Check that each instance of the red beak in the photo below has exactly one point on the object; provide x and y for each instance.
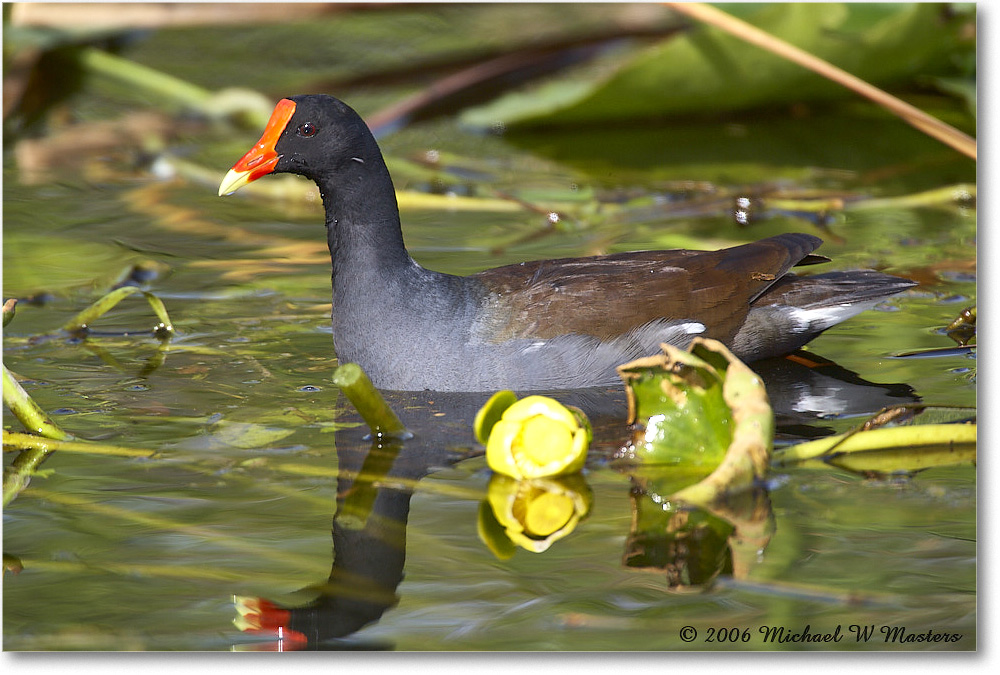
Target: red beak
(262, 157)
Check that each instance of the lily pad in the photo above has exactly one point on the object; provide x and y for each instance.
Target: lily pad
(248, 435)
(676, 402)
(704, 412)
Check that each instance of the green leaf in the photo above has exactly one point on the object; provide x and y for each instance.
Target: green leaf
(960, 87)
(677, 383)
(248, 435)
(707, 70)
(35, 259)
(677, 403)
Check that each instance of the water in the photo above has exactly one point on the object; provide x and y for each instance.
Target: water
(254, 448)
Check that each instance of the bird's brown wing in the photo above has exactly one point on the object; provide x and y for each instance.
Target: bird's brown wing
(606, 296)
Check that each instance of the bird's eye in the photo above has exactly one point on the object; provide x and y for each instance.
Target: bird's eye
(308, 129)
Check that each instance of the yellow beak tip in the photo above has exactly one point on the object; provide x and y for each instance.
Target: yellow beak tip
(233, 181)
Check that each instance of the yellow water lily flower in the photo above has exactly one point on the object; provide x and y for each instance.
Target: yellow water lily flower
(538, 436)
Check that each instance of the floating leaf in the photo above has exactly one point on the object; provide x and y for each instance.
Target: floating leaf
(676, 401)
(248, 435)
(703, 411)
(961, 88)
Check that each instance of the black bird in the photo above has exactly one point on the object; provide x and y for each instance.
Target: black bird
(539, 325)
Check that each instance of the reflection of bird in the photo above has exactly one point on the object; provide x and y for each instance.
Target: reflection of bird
(551, 324)
(805, 388)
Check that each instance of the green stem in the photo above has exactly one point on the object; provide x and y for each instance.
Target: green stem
(912, 438)
(29, 442)
(943, 196)
(101, 307)
(27, 411)
(35, 450)
(106, 303)
(145, 78)
(363, 395)
(17, 476)
(357, 506)
(166, 328)
(804, 205)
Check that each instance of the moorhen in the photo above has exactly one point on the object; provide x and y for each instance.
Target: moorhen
(540, 325)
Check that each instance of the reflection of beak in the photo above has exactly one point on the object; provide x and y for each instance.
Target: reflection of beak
(258, 616)
(262, 157)
(531, 513)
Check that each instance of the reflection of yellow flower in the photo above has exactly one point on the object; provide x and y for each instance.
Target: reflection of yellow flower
(532, 513)
(538, 436)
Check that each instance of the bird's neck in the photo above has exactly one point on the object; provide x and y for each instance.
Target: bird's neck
(362, 223)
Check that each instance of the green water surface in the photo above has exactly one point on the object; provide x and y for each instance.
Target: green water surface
(249, 432)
